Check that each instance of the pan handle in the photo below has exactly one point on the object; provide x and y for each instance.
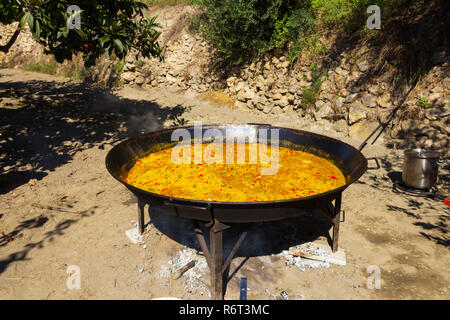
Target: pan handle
(377, 163)
(179, 205)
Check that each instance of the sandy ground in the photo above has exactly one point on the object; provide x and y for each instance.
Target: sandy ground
(63, 209)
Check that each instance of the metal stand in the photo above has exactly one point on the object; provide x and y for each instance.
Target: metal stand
(214, 255)
(334, 213)
(141, 214)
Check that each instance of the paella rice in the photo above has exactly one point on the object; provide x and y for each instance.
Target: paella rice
(299, 174)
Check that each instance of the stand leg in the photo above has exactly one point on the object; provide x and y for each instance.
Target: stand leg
(141, 207)
(214, 255)
(216, 248)
(336, 220)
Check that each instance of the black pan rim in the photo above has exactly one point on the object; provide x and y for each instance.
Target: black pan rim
(204, 203)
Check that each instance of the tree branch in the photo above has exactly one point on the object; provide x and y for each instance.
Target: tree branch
(11, 41)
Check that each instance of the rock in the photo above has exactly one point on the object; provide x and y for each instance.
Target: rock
(441, 141)
(283, 102)
(170, 78)
(325, 87)
(439, 57)
(174, 72)
(239, 86)
(260, 101)
(128, 76)
(351, 98)
(295, 89)
(241, 96)
(436, 98)
(308, 76)
(249, 94)
(276, 110)
(305, 84)
(268, 108)
(129, 58)
(395, 132)
(344, 93)
(363, 66)
(341, 72)
(374, 90)
(290, 98)
(260, 83)
(441, 126)
(387, 76)
(319, 104)
(409, 124)
(354, 88)
(437, 89)
(129, 67)
(428, 143)
(368, 100)
(277, 96)
(259, 106)
(270, 81)
(283, 90)
(325, 112)
(341, 126)
(437, 113)
(326, 96)
(285, 64)
(339, 81)
(384, 101)
(245, 94)
(356, 113)
(339, 102)
(297, 103)
(139, 80)
(361, 130)
(238, 104)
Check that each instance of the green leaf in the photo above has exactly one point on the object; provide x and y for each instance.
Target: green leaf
(81, 33)
(37, 30)
(64, 31)
(119, 44)
(23, 21)
(30, 20)
(104, 40)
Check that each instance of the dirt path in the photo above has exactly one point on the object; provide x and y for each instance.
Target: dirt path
(63, 209)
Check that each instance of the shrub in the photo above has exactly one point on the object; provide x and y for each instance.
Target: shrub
(42, 67)
(310, 94)
(349, 15)
(423, 102)
(241, 30)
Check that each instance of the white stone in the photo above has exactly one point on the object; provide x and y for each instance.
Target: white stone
(356, 113)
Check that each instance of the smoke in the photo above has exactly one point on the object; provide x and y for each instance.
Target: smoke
(134, 116)
(143, 123)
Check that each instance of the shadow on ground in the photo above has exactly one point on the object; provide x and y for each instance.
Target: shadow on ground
(44, 123)
(49, 236)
